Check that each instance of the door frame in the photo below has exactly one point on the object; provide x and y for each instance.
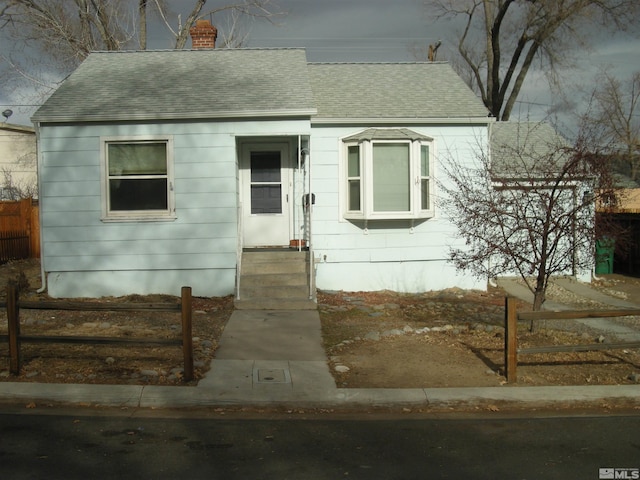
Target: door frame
(246, 146)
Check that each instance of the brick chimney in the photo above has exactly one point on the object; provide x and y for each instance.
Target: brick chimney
(203, 35)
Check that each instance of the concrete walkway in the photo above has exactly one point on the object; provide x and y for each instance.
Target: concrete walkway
(270, 354)
(276, 359)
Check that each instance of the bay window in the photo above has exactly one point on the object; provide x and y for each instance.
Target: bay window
(387, 175)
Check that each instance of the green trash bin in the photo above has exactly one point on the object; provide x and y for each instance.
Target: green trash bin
(605, 249)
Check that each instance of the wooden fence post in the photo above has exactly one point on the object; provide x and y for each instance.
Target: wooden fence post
(510, 340)
(187, 339)
(13, 319)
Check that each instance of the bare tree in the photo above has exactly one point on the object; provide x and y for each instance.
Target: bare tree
(500, 40)
(525, 208)
(13, 189)
(615, 115)
(69, 30)
(49, 38)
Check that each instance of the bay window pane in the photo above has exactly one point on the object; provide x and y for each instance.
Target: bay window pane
(391, 170)
(354, 195)
(424, 161)
(424, 195)
(354, 161)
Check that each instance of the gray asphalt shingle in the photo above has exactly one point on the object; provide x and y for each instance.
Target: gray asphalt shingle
(392, 90)
(518, 147)
(183, 84)
(196, 84)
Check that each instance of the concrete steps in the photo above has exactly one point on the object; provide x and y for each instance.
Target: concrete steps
(274, 280)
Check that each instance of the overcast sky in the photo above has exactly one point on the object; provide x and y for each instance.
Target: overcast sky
(385, 30)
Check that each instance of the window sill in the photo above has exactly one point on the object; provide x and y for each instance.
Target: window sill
(385, 217)
(140, 218)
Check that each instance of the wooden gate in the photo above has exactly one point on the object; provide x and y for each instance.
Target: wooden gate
(19, 230)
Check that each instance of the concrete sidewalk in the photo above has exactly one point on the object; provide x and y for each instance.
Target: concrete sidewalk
(607, 326)
(275, 358)
(515, 288)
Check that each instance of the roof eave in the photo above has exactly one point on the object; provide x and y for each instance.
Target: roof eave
(219, 115)
(401, 120)
(16, 128)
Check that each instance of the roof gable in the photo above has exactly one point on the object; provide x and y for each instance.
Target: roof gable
(178, 84)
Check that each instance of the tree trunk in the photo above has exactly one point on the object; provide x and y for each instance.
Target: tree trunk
(183, 34)
(539, 296)
(142, 19)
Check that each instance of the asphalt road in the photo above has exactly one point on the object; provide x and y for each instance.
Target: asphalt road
(214, 446)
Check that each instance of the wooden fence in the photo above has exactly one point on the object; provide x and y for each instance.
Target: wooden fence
(512, 316)
(19, 230)
(15, 338)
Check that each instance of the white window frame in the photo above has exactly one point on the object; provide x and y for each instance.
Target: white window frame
(108, 215)
(415, 180)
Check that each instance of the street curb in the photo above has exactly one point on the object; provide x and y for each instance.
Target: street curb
(183, 397)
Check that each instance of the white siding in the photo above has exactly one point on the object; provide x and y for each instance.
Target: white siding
(86, 257)
(388, 254)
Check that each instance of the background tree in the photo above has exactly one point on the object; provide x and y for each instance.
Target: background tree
(13, 189)
(527, 211)
(611, 118)
(51, 37)
(500, 40)
(614, 117)
(70, 29)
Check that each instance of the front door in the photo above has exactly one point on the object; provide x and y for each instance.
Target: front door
(265, 183)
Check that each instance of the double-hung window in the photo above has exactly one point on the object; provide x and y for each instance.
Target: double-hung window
(138, 178)
(387, 174)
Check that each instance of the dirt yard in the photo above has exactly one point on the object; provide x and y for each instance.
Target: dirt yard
(455, 338)
(106, 364)
(451, 338)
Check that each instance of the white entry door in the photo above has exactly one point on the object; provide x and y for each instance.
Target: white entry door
(265, 174)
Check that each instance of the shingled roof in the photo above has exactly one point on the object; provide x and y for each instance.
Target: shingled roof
(244, 83)
(392, 91)
(183, 84)
(529, 148)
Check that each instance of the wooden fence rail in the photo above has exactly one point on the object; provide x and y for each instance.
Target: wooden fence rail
(512, 316)
(15, 338)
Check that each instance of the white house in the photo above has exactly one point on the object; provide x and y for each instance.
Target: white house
(18, 176)
(169, 168)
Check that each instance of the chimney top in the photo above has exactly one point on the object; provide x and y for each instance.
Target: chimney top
(203, 35)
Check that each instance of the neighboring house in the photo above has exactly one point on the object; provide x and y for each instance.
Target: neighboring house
(526, 159)
(621, 225)
(169, 168)
(18, 162)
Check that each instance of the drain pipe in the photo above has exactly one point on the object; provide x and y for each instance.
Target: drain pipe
(43, 277)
